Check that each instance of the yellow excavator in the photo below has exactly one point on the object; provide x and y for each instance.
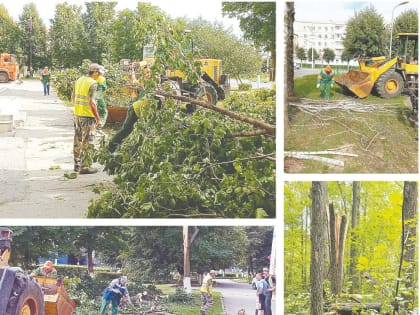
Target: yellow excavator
(386, 77)
(22, 294)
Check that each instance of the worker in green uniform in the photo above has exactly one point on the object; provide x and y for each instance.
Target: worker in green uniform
(134, 112)
(325, 82)
(100, 101)
(45, 79)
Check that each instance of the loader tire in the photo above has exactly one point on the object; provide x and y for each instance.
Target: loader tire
(207, 93)
(26, 298)
(389, 85)
(4, 77)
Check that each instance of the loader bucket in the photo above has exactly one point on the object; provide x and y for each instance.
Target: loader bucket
(358, 82)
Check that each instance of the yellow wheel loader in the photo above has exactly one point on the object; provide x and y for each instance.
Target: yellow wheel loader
(213, 86)
(22, 294)
(386, 77)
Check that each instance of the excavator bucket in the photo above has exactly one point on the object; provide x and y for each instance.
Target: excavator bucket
(358, 82)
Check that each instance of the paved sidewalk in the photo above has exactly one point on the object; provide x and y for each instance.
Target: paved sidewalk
(238, 296)
(35, 156)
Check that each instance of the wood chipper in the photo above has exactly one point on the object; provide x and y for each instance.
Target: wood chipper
(387, 77)
(22, 294)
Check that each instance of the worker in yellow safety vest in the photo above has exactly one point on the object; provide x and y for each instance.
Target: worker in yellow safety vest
(207, 292)
(86, 118)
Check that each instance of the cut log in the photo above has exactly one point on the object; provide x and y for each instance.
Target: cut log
(297, 155)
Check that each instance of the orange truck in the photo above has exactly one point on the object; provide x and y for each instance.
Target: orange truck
(9, 68)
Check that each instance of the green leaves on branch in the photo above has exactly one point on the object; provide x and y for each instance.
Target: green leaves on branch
(180, 165)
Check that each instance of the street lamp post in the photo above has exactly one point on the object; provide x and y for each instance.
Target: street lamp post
(392, 24)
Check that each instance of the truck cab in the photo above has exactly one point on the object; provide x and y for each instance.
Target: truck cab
(9, 68)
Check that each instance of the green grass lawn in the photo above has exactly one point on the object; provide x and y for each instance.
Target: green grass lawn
(192, 308)
(384, 139)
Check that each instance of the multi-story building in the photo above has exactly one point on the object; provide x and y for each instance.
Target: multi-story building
(320, 35)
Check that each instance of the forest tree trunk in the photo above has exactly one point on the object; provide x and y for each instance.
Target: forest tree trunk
(338, 231)
(318, 225)
(409, 214)
(353, 244)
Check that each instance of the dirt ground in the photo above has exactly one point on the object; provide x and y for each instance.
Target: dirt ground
(381, 135)
(36, 157)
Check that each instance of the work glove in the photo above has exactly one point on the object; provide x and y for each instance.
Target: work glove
(317, 86)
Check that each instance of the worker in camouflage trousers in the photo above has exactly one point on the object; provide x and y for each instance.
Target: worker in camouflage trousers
(325, 82)
(207, 292)
(86, 118)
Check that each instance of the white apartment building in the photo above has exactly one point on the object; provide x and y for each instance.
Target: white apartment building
(320, 35)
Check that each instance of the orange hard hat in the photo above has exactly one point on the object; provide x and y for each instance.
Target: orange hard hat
(328, 68)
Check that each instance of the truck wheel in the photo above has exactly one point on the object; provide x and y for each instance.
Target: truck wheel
(27, 297)
(207, 93)
(389, 85)
(4, 77)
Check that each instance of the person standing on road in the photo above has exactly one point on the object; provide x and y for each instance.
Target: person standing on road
(47, 270)
(86, 117)
(325, 81)
(100, 101)
(261, 291)
(45, 78)
(271, 282)
(207, 292)
(113, 294)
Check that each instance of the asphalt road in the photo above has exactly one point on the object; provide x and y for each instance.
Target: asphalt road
(35, 156)
(237, 296)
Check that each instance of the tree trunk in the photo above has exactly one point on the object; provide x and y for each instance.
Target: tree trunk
(333, 274)
(338, 231)
(353, 245)
(187, 249)
(273, 254)
(90, 261)
(289, 19)
(342, 244)
(319, 205)
(409, 214)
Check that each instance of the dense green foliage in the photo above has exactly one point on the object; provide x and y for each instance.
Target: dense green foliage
(33, 37)
(377, 239)
(328, 55)
(406, 22)
(95, 31)
(301, 53)
(258, 22)
(366, 34)
(239, 58)
(149, 254)
(184, 165)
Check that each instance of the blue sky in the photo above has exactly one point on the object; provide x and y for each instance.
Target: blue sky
(342, 11)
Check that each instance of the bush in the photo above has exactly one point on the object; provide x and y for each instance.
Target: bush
(244, 87)
(180, 296)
